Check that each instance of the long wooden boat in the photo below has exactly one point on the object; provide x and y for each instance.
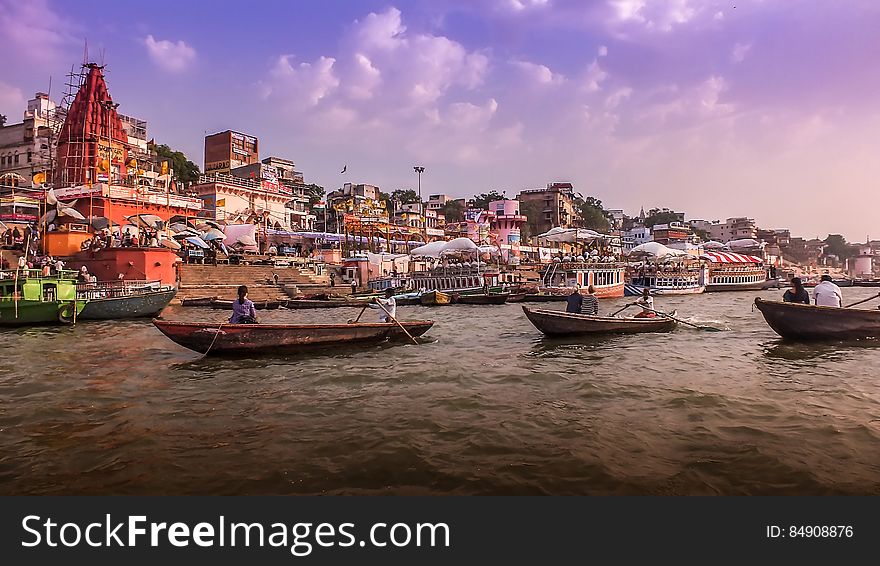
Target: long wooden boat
(198, 301)
(810, 322)
(133, 305)
(559, 323)
(488, 299)
(516, 297)
(543, 298)
(217, 338)
(435, 298)
(321, 304)
(226, 304)
(28, 297)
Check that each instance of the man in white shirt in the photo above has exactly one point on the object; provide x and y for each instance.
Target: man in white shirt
(388, 309)
(827, 294)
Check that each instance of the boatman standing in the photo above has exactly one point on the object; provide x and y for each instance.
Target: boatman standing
(826, 293)
(389, 304)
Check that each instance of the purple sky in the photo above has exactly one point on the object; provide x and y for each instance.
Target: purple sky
(763, 108)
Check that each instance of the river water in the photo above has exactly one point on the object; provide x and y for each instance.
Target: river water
(485, 405)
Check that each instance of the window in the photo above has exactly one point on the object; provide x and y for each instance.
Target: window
(16, 159)
(30, 156)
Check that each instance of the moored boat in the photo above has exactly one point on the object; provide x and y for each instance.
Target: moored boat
(684, 278)
(559, 323)
(607, 279)
(222, 338)
(810, 322)
(28, 297)
(487, 299)
(123, 300)
(735, 272)
(435, 298)
(198, 301)
(226, 304)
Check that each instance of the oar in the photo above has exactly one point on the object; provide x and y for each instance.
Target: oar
(359, 315)
(623, 309)
(709, 328)
(863, 301)
(402, 327)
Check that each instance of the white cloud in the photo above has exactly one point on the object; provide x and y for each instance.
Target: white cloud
(33, 31)
(364, 78)
(306, 83)
(603, 51)
(739, 52)
(520, 5)
(12, 103)
(537, 73)
(593, 77)
(170, 56)
(660, 15)
(614, 99)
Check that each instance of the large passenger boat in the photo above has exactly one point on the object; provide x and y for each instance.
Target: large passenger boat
(685, 278)
(607, 279)
(735, 272)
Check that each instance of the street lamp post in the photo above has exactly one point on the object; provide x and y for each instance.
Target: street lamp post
(419, 169)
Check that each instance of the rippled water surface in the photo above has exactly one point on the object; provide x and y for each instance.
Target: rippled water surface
(485, 405)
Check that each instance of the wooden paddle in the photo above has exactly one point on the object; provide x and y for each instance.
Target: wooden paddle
(697, 326)
(359, 315)
(623, 309)
(863, 301)
(402, 327)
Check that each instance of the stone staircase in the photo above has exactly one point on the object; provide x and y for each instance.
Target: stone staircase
(223, 280)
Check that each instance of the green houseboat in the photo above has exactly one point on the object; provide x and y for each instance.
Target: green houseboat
(29, 297)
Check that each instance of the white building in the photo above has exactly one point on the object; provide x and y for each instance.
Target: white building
(27, 147)
(638, 235)
(734, 229)
(436, 202)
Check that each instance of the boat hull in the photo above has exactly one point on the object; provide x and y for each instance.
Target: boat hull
(281, 338)
(131, 306)
(637, 290)
(542, 298)
(490, 299)
(198, 301)
(557, 323)
(38, 312)
(811, 323)
(751, 286)
(435, 298)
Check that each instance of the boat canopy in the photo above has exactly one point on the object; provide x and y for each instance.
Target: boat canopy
(656, 250)
(730, 257)
(570, 235)
(439, 248)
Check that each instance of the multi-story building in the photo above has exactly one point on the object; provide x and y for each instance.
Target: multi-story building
(638, 235)
(27, 147)
(136, 130)
(506, 221)
(734, 229)
(437, 202)
(701, 225)
(555, 207)
(672, 233)
(225, 151)
(617, 218)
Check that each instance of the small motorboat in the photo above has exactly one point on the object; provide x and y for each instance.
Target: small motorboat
(435, 298)
(482, 299)
(224, 338)
(559, 323)
(797, 321)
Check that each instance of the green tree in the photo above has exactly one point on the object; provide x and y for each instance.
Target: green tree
(453, 211)
(835, 244)
(185, 170)
(661, 216)
(593, 215)
(482, 200)
(532, 211)
(405, 196)
(315, 193)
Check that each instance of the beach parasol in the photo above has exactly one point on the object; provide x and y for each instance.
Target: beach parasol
(150, 221)
(99, 222)
(198, 242)
(213, 234)
(170, 244)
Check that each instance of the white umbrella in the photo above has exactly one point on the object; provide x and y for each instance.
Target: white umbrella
(71, 212)
(744, 244)
(171, 244)
(713, 245)
(213, 234)
(196, 241)
(148, 220)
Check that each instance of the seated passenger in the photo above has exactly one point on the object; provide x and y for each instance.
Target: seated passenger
(590, 303)
(826, 293)
(797, 293)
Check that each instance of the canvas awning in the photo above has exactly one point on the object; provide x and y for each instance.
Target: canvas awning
(730, 257)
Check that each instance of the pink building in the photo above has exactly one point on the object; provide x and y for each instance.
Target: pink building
(506, 221)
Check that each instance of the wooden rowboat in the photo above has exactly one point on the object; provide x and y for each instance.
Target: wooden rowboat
(216, 338)
(197, 301)
(226, 304)
(810, 322)
(490, 299)
(542, 298)
(435, 298)
(559, 323)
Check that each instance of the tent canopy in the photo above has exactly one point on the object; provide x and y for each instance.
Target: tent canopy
(730, 257)
(655, 250)
(570, 235)
(436, 249)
